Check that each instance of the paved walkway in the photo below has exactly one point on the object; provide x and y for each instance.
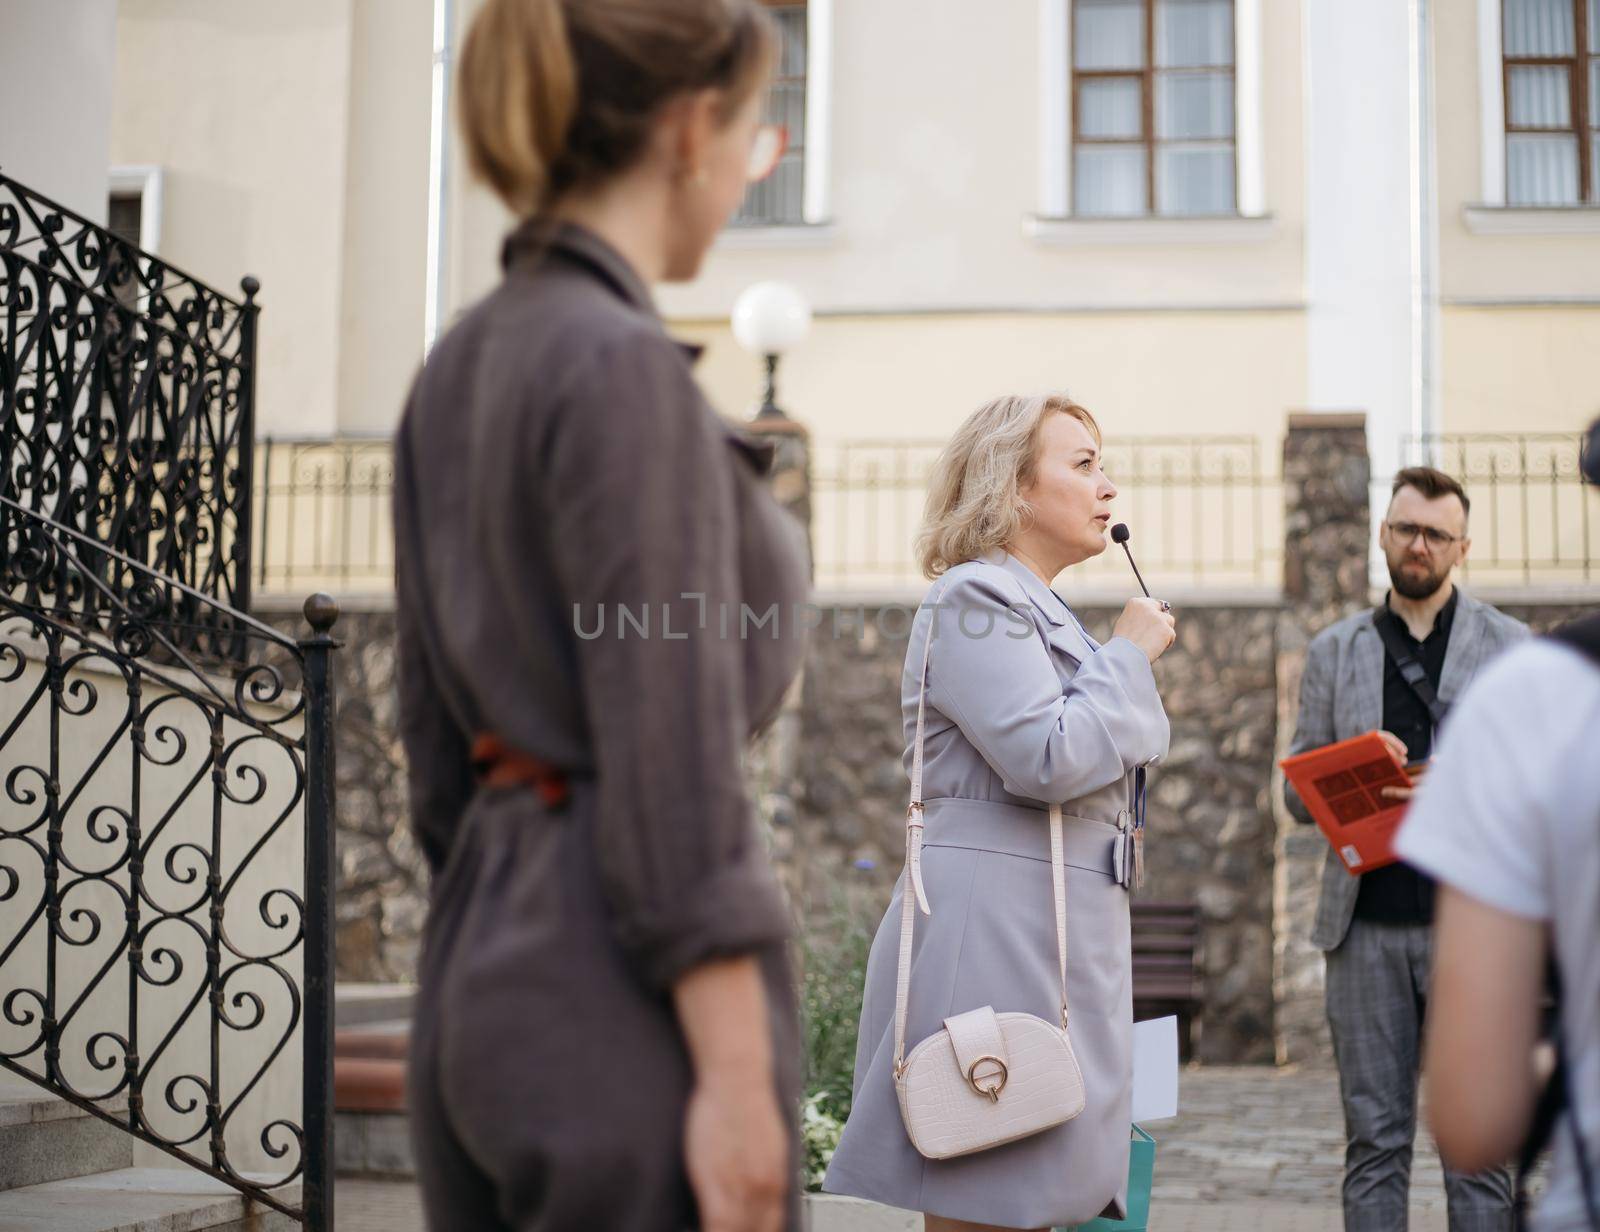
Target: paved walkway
(1255, 1150)
(1263, 1149)
(377, 1206)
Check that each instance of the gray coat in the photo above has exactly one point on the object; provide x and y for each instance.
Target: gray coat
(1341, 696)
(556, 461)
(1024, 710)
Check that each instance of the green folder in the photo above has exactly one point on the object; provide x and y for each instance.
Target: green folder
(1141, 1173)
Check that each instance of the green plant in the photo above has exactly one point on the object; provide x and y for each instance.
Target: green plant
(833, 955)
(819, 1134)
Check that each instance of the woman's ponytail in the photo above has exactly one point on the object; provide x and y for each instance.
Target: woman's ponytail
(559, 94)
(519, 95)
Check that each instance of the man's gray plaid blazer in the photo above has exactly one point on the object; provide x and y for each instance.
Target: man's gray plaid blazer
(1341, 695)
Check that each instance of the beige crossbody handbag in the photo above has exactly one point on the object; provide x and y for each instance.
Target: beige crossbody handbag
(987, 1078)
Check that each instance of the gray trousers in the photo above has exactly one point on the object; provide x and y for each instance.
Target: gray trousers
(1377, 996)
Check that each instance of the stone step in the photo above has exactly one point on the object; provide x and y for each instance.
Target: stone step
(139, 1200)
(372, 1136)
(380, 1040)
(373, 1144)
(357, 1005)
(832, 1213)
(44, 1138)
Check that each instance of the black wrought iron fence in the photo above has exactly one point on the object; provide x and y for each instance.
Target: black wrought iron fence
(1534, 520)
(166, 863)
(127, 414)
(1204, 511)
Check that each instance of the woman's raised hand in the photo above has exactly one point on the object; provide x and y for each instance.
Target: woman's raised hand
(1149, 626)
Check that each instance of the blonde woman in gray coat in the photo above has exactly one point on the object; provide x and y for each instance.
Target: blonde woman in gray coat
(1023, 710)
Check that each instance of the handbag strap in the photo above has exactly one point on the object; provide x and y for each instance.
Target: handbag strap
(913, 895)
(1411, 669)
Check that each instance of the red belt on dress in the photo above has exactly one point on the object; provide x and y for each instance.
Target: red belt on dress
(498, 765)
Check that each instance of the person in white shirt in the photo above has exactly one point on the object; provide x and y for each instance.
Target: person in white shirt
(1508, 822)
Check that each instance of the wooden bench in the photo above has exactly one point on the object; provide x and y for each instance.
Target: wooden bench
(1166, 935)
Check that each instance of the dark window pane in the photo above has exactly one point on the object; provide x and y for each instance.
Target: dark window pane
(125, 217)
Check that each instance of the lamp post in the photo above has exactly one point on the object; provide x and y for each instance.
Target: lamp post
(770, 318)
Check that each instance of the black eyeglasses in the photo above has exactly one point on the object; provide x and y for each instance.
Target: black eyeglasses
(1405, 532)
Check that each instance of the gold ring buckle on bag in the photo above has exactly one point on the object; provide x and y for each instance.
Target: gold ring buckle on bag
(993, 1092)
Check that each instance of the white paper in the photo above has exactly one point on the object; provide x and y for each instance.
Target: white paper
(1155, 1070)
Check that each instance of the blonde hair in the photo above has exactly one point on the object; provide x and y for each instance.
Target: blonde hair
(557, 95)
(975, 495)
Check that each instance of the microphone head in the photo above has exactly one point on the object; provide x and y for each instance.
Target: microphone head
(1120, 533)
(1591, 454)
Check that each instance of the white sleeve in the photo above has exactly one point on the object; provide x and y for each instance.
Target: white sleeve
(1485, 818)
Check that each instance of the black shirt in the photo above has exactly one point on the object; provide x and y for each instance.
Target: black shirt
(1398, 894)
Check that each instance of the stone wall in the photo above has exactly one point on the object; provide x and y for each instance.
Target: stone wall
(1540, 617)
(382, 891)
(1210, 836)
(1327, 529)
(827, 780)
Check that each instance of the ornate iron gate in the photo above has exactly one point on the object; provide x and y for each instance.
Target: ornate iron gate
(166, 864)
(166, 761)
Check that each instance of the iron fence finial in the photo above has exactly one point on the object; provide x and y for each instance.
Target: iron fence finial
(322, 611)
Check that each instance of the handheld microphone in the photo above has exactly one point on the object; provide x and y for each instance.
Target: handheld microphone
(1121, 534)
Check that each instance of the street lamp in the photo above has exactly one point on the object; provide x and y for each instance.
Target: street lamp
(769, 319)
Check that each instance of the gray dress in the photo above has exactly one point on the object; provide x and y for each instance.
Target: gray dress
(557, 462)
(1024, 710)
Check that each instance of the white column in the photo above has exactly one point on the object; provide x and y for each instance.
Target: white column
(818, 205)
(1055, 108)
(1366, 232)
(57, 68)
(1491, 105)
(440, 132)
(1250, 126)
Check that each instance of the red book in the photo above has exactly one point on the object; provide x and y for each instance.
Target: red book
(1342, 788)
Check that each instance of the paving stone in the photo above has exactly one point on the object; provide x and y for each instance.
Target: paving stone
(1256, 1149)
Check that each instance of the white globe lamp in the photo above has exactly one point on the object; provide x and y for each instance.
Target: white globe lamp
(770, 319)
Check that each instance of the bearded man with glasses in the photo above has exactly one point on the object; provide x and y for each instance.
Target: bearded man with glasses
(1395, 669)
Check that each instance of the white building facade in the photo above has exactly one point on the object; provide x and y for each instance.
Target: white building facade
(1194, 215)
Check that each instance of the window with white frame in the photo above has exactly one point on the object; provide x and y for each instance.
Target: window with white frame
(1551, 78)
(1153, 103)
(779, 200)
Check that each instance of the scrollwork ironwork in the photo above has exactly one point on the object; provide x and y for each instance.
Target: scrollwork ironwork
(127, 413)
(159, 934)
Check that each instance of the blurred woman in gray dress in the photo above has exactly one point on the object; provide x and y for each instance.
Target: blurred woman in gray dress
(605, 1034)
(1024, 710)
